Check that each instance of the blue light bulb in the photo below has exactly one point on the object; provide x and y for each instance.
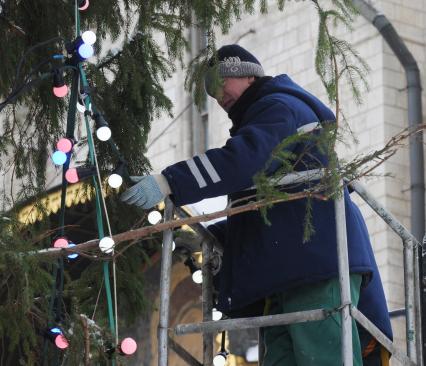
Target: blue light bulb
(73, 255)
(59, 157)
(85, 51)
(56, 330)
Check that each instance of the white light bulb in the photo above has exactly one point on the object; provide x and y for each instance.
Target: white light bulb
(219, 360)
(115, 180)
(154, 217)
(197, 276)
(106, 245)
(252, 354)
(103, 133)
(89, 37)
(216, 314)
(85, 51)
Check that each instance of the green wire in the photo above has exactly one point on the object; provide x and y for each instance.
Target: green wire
(97, 190)
(77, 19)
(98, 208)
(99, 217)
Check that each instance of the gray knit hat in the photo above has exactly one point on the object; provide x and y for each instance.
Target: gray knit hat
(232, 61)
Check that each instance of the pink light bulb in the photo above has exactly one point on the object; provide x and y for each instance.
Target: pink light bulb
(128, 346)
(64, 145)
(60, 243)
(60, 91)
(71, 175)
(85, 6)
(61, 342)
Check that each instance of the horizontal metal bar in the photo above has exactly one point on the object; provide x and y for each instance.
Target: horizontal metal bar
(381, 338)
(397, 312)
(183, 353)
(247, 323)
(298, 177)
(394, 224)
(301, 177)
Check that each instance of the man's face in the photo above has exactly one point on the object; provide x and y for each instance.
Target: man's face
(231, 89)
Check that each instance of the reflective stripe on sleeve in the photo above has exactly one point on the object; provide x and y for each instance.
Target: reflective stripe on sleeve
(209, 168)
(196, 173)
(308, 127)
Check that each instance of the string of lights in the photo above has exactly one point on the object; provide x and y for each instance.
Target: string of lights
(222, 355)
(79, 50)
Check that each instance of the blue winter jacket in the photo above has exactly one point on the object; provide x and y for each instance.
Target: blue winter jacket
(258, 259)
(372, 301)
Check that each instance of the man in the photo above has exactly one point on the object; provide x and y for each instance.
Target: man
(270, 261)
(372, 303)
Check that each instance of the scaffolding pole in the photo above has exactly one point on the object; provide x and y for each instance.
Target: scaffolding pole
(166, 269)
(418, 304)
(411, 274)
(345, 289)
(207, 300)
(208, 327)
(247, 323)
(383, 340)
(409, 299)
(387, 217)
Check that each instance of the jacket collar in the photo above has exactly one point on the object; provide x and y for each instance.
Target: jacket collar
(244, 102)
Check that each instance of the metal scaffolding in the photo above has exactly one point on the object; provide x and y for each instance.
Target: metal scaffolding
(208, 327)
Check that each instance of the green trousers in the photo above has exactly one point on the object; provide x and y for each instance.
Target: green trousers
(315, 343)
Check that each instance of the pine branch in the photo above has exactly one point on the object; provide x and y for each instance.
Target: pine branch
(331, 51)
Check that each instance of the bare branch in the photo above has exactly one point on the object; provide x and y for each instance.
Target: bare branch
(13, 25)
(145, 231)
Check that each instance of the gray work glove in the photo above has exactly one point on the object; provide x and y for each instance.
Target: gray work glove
(148, 191)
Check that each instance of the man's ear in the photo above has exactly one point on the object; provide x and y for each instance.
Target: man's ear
(251, 79)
